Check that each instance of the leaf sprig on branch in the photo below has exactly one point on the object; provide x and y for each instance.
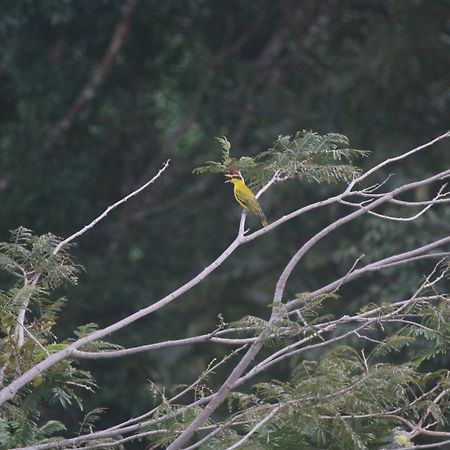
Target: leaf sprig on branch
(305, 156)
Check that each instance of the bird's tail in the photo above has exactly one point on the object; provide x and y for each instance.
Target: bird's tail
(263, 218)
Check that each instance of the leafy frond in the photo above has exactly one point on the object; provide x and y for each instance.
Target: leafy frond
(18, 429)
(87, 425)
(51, 310)
(62, 383)
(36, 272)
(251, 323)
(218, 167)
(86, 329)
(307, 156)
(226, 144)
(15, 297)
(50, 428)
(393, 343)
(338, 402)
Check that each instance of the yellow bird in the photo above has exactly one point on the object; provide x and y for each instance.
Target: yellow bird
(244, 196)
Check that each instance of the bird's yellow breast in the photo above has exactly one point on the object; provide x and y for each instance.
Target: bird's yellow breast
(243, 194)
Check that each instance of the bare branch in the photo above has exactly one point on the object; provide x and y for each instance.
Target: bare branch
(20, 321)
(109, 209)
(429, 204)
(254, 429)
(390, 261)
(176, 397)
(333, 226)
(424, 203)
(24, 306)
(204, 439)
(109, 443)
(159, 345)
(30, 335)
(273, 180)
(395, 159)
(219, 396)
(345, 278)
(9, 391)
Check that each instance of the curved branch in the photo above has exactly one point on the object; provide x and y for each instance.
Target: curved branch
(159, 345)
(20, 327)
(254, 429)
(429, 204)
(279, 290)
(110, 208)
(401, 258)
(395, 159)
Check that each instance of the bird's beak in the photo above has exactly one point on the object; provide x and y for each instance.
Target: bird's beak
(229, 177)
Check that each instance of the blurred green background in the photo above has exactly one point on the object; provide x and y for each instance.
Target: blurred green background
(96, 95)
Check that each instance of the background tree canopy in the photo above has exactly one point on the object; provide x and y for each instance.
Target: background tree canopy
(96, 95)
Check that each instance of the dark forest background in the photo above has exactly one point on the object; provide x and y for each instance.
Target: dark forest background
(96, 95)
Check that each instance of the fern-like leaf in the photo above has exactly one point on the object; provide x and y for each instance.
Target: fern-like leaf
(90, 419)
(306, 156)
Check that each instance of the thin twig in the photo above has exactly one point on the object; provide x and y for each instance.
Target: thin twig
(159, 345)
(176, 397)
(429, 204)
(254, 429)
(109, 209)
(395, 159)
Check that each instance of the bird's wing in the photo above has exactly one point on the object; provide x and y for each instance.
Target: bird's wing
(248, 200)
(254, 205)
(242, 198)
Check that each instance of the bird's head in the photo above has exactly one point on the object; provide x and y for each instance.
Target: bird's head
(232, 178)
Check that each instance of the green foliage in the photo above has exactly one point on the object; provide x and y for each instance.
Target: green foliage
(306, 156)
(86, 329)
(27, 255)
(310, 308)
(339, 402)
(430, 332)
(173, 425)
(252, 324)
(90, 419)
(32, 272)
(62, 383)
(227, 161)
(393, 343)
(15, 430)
(310, 156)
(345, 398)
(434, 331)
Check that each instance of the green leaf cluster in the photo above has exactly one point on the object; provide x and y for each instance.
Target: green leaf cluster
(31, 272)
(345, 398)
(17, 430)
(338, 402)
(307, 156)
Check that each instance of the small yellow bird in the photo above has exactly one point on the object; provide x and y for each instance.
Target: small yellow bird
(244, 196)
